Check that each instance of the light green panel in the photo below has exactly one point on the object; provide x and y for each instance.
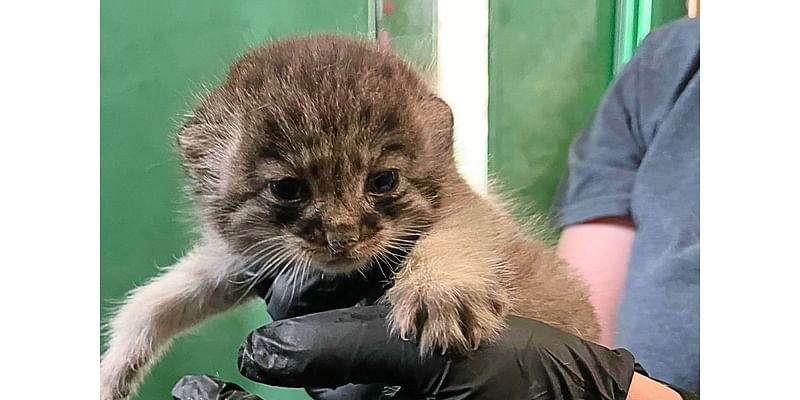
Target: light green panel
(411, 27)
(665, 11)
(154, 55)
(549, 64)
(635, 20)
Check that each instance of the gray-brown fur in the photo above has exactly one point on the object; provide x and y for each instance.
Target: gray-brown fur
(332, 112)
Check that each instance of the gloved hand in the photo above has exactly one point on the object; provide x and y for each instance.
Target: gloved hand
(335, 348)
(351, 350)
(202, 387)
(290, 295)
(531, 361)
(287, 298)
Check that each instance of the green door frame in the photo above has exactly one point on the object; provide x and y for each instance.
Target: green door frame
(634, 21)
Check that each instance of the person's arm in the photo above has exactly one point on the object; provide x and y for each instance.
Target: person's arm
(593, 204)
(599, 250)
(644, 388)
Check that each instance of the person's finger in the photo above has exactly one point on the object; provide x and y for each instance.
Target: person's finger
(352, 391)
(295, 293)
(334, 348)
(203, 387)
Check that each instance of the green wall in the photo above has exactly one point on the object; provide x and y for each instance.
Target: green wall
(154, 55)
(665, 11)
(549, 64)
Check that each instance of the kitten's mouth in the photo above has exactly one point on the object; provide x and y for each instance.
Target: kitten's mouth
(339, 263)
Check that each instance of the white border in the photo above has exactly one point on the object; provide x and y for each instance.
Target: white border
(49, 140)
(49, 201)
(750, 200)
(463, 81)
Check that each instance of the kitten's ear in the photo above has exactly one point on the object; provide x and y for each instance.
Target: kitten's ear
(210, 120)
(199, 144)
(206, 129)
(191, 140)
(439, 118)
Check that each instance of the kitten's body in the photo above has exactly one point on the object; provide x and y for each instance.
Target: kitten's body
(330, 152)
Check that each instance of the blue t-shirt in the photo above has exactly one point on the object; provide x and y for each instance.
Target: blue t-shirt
(640, 157)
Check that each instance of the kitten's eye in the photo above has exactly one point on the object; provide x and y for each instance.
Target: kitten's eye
(383, 182)
(289, 189)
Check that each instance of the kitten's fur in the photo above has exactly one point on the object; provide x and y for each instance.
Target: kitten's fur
(331, 111)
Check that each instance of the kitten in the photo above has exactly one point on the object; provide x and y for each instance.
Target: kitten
(331, 152)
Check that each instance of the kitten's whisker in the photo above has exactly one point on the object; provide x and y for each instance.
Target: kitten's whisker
(265, 249)
(362, 273)
(261, 243)
(249, 263)
(425, 225)
(404, 239)
(295, 275)
(269, 259)
(385, 258)
(404, 242)
(291, 276)
(258, 243)
(265, 245)
(266, 269)
(395, 246)
(302, 274)
(266, 252)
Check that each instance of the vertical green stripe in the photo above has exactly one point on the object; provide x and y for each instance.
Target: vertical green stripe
(644, 19)
(634, 21)
(372, 18)
(625, 33)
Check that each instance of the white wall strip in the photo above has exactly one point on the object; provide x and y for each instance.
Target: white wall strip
(463, 81)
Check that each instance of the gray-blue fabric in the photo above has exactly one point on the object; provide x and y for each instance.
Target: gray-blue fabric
(640, 156)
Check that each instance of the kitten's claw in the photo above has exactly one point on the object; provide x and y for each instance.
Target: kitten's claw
(458, 326)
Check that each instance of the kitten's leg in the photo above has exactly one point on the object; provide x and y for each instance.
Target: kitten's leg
(195, 288)
(450, 293)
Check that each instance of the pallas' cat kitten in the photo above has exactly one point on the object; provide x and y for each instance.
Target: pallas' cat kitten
(329, 152)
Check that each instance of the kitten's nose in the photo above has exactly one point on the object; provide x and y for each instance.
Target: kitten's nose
(339, 242)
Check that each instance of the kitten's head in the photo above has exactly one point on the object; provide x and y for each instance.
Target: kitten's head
(322, 148)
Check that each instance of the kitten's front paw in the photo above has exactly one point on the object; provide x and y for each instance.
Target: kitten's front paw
(107, 393)
(116, 378)
(445, 317)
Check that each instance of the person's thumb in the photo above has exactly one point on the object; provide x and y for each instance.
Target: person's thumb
(333, 348)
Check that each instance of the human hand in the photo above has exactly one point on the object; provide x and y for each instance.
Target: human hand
(202, 387)
(290, 295)
(531, 360)
(349, 354)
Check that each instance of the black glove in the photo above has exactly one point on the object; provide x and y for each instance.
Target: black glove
(350, 350)
(287, 298)
(201, 387)
(293, 294)
(531, 361)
